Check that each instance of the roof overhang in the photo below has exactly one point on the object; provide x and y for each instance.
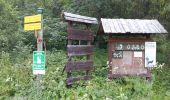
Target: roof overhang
(79, 18)
(130, 26)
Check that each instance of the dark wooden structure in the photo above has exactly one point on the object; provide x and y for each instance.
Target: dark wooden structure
(83, 47)
(126, 44)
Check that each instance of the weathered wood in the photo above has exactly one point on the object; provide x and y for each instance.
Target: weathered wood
(79, 65)
(75, 34)
(161, 28)
(125, 26)
(78, 50)
(134, 26)
(79, 18)
(105, 25)
(70, 80)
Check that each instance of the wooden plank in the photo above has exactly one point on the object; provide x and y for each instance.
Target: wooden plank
(75, 34)
(142, 26)
(137, 26)
(157, 28)
(125, 26)
(116, 25)
(147, 29)
(132, 22)
(79, 18)
(112, 27)
(160, 27)
(120, 25)
(132, 26)
(149, 26)
(128, 23)
(79, 65)
(78, 50)
(106, 26)
(70, 80)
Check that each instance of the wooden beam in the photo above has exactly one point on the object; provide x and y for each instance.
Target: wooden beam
(78, 50)
(79, 65)
(75, 34)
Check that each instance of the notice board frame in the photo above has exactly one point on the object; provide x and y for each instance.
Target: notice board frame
(112, 40)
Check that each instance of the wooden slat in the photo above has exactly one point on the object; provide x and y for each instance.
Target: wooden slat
(116, 25)
(78, 50)
(120, 26)
(137, 26)
(70, 80)
(160, 27)
(154, 23)
(132, 26)
(75, 34)
(79, 65)
(125, 26)
(113, 29)
(79, 18)
(105, 25)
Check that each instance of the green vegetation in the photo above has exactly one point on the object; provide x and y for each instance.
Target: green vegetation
(17, 81)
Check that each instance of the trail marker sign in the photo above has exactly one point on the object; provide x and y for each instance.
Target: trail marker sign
(38, 63)
(33, 22)
(32, 19)
(32, 26)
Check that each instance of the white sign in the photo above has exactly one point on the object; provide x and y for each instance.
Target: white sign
(137, 53)
(150, 54)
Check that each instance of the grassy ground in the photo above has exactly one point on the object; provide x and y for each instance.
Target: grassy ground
(17, 81)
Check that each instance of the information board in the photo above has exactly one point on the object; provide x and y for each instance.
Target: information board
(150, 54)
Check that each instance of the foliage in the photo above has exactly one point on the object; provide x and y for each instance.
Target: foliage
(16, 46)
(99, 88)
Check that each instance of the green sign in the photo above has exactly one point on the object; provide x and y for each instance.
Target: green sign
(38, 62)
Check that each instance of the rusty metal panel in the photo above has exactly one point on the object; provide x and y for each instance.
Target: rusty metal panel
(79, 65)
(75, 34)
(78, 50)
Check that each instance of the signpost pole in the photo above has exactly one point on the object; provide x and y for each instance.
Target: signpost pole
(39, 48)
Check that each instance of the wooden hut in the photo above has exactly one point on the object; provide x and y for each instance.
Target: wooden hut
(128, 44)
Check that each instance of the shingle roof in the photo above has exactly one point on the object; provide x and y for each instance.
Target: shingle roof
(131, 26)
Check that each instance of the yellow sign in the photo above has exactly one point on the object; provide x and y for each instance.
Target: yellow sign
(32, 26)
(32, 19)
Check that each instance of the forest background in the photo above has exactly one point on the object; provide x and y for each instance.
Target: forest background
(16, 47)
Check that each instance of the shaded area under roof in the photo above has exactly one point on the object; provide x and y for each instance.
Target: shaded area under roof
(79, 18)
(135, 26)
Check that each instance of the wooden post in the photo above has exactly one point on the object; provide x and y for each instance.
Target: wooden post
(88, 43)
(39, 48)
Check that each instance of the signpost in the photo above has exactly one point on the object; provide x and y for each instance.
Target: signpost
(35, 23)
(32, 22)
